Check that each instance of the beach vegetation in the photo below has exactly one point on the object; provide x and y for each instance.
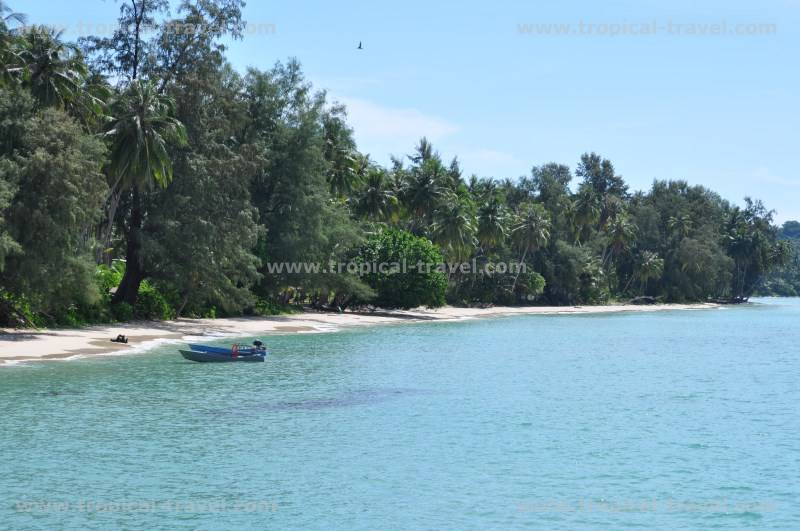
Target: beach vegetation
(142, 176)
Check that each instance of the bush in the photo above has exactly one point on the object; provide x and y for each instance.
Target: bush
(122, 311)
(151, 304)
(530, 285)
(403, 288)
(16, 311)
(266, 307)
(107, 277)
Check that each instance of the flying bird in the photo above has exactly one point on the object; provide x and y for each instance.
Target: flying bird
(359, 46)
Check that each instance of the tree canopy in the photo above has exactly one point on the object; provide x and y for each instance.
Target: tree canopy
(141, 175)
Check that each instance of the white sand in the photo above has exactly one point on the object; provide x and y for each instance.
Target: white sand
(18, 346)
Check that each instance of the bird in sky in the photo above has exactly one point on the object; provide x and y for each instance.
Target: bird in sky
(359, 46)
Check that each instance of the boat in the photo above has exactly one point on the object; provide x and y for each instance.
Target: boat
(211, 357)
(234, 353)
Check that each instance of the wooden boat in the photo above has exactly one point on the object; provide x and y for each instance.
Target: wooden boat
(211, 354)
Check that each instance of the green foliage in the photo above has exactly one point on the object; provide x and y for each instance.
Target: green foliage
(397, 288)
(122, 312)
(140, 132)
(151, 304)
(109, 277)
(257, 169)
(53, 168)
(530, 285)
(203, 228)
(784, 281)
(15, 311)
(53, 71)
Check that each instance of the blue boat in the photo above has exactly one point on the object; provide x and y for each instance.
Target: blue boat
(234, 353)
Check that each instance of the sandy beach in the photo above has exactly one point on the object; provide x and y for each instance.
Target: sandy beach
(24, 345)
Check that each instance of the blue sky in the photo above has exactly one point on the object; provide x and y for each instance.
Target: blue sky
(681, 102)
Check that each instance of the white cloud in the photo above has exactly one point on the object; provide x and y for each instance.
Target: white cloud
(490, 163)
(382, 130)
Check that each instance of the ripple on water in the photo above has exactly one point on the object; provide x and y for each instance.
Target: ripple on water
(558, 422)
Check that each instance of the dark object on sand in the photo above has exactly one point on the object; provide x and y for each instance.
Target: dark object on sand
(644, 299)
(120, 339)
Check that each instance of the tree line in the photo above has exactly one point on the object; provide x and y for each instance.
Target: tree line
(784, 280)
(142, 176)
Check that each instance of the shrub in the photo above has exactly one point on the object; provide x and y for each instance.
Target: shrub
(151, 304)
(107, 277)
(400, 288)
(122, 311)
(267, 307)
(530, 285)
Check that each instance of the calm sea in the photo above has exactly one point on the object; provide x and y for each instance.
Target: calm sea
(675, 420)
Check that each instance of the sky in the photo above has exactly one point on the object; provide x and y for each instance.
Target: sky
(701, 91)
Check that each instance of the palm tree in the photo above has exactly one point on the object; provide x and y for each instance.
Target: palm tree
(612, 207)
(142, 127)
(424, 152)
(347, 167)
(587, 210)
(530, 231)
(424, 191)
(570, 214)
(491, 223)
(378, 201)
(19, 18)
(9, 59)
(454, 228)
(648, 266)
(54, 70)
(680, 226)
(620, 233)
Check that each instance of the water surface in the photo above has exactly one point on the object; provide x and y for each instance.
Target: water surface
(678, 420)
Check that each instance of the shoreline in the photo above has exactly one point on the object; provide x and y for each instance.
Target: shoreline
(25, 345)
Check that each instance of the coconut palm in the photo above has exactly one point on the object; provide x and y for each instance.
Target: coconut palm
(648, 266)
(570, 216)
(141, 130)
(454, 228)
(10, 67)
(54, 70)
(620, 233)
(424, 190)
(491, 223)
(377, 201)
(346, 167)
(424, 152)
(680, 226)
(586, 210)
(531, 231)
(7, 17)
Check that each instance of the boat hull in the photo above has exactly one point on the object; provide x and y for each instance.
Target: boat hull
(214, 357)
(243, 350)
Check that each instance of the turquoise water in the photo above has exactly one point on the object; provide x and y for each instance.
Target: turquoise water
(676, 420)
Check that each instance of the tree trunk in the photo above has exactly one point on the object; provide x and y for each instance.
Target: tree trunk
(128, 289)
(103, 257)
(519, 270)
(628, 284)
(182, 306)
